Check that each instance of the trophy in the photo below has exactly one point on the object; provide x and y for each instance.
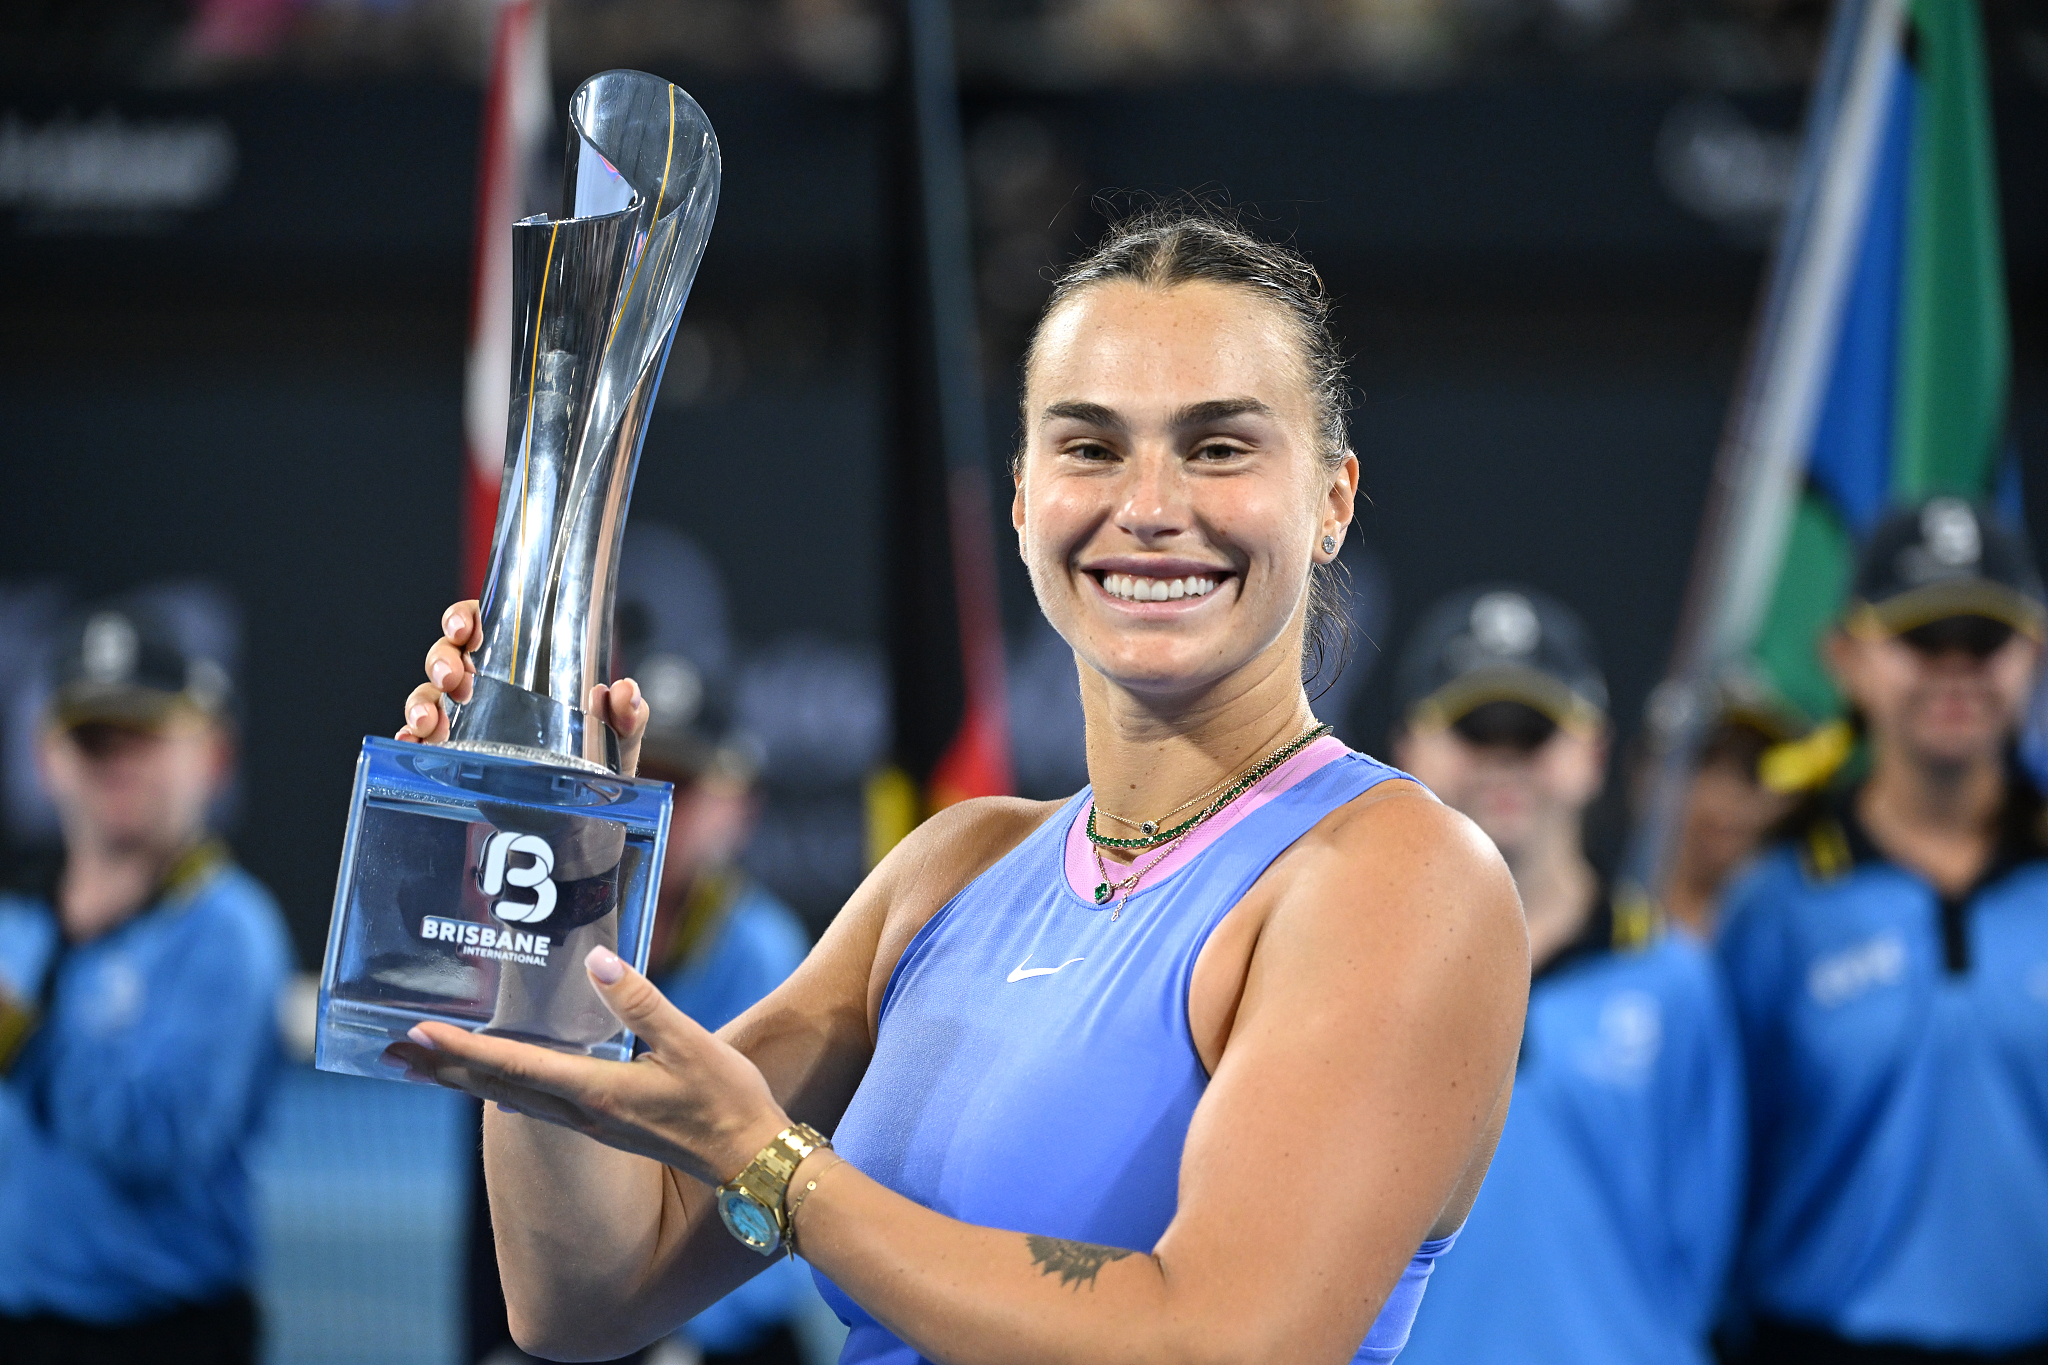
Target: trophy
(476, 875)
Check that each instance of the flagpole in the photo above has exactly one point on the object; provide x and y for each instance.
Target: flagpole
(1760, 467)
(976, 760)
(515, 123)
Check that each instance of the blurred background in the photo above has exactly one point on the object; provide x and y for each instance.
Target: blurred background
(238, 241)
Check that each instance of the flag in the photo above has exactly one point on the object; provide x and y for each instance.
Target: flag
(1877, 374)
(515, 126)
(1914, 398)
(946, 639)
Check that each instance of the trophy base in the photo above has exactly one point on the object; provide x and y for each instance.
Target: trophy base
(473, 884)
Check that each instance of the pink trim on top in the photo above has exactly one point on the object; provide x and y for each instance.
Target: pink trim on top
(1081, 873)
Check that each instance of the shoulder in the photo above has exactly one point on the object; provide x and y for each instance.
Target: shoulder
(238, 920)
(1398, 834)
(931, 866)
(28, 935)
(769, 929)
(1397, 871)
(1680, 973)
(1779, 876)
(942, 855)
(20, 906)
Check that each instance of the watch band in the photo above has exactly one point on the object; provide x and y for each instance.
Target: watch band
(764, 1184)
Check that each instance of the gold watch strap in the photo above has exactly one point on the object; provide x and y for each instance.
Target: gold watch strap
(766, 1178)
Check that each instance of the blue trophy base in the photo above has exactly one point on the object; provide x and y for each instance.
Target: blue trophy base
(473, 884)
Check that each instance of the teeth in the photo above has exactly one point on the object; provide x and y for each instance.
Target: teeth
(1132, 588)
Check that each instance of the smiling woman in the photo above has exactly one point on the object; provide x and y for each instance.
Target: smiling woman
(1212, 1076)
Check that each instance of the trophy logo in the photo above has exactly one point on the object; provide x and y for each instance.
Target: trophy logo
(498, 873)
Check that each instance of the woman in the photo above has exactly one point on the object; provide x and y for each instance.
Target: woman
(1256, 1018)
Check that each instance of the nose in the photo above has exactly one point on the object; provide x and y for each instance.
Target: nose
(1152, 503)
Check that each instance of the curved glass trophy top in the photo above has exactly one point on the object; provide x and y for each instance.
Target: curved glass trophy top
(598, 294)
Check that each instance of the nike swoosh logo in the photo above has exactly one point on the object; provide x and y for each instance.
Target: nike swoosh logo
(1023, 971)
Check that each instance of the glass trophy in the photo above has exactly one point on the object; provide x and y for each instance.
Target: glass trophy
(476, 875)
(473, 886)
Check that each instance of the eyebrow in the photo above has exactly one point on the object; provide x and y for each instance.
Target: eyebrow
(1217, 409)
(1193, 415)
(1093, 414)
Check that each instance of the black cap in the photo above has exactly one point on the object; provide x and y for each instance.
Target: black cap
(1944, 558)
(122, 663)
(1500, 643)
(673, 640)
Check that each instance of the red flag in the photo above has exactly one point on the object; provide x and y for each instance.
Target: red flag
(516, 110)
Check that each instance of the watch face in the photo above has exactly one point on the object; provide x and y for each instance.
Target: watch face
(748, 1221)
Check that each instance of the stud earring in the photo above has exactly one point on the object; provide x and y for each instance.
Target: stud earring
(1329, 545)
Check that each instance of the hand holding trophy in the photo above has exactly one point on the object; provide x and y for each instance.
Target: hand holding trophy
(477, 874)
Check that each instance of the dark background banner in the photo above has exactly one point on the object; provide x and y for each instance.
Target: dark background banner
(1545, 285)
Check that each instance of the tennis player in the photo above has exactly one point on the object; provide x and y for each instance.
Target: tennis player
(1209, 1071)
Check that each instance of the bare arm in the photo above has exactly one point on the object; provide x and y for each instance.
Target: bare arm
(603, 1249)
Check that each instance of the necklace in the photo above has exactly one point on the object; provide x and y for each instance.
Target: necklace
(1165, 843)
(1156, 837)
(1106, 888)
(1149, 828)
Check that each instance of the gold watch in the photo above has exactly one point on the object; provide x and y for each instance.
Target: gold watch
(751, 1202)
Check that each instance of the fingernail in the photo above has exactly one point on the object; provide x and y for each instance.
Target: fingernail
(451, 625)
(504, 1108)
(604, 964)
(441, 675)
(421, 718)
(419, 1035)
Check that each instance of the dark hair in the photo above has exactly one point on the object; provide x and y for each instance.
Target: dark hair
(1184, 241)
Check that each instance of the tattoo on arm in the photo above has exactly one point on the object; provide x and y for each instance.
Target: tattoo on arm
(1074, 1262)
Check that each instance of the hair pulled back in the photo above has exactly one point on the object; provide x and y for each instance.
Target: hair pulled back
(1185, 241)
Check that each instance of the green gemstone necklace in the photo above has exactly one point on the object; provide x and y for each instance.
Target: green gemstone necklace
(1165, 840)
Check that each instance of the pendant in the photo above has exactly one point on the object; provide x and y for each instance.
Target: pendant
(1102, 893)
(1149, 828)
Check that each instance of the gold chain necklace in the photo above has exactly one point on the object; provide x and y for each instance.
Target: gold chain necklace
(1236, 789)
(1106, 888)
(1171, 840)
(1148, 828)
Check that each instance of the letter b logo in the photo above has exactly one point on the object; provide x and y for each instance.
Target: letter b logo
(497, 875)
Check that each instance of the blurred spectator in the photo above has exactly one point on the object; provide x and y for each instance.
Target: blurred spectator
(140, 977)
(1609, 1216)
(1729, 808)
(721, 941)
(1890, 970)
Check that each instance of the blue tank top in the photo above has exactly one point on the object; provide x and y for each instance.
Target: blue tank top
(1029, 1045)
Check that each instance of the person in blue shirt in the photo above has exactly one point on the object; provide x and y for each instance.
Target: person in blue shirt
(1728, 811)
(140, 977)
(1605, 1228)
(721, 940)
(1890, 970)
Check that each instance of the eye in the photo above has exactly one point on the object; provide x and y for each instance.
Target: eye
(1091, 452)
(1212, 452)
